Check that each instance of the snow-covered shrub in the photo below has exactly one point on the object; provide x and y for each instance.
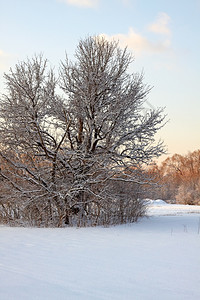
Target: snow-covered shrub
(188, 194)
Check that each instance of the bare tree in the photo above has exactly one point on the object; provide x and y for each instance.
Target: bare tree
(78, 158)
(181, 173)
(31, 139)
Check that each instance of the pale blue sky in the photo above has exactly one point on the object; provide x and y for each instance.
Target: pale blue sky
(163, 36)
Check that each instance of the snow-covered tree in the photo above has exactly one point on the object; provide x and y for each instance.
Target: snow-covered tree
(75, 154)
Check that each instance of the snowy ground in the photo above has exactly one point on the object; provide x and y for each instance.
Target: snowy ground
(161, 208)
(156, 258)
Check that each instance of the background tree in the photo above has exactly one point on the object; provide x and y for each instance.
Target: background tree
(179, 178)
(77, 157)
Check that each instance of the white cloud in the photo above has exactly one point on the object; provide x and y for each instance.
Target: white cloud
(161, 25)
(140, 44)
(81, 3)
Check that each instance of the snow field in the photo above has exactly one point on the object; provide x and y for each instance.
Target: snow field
(156, 258)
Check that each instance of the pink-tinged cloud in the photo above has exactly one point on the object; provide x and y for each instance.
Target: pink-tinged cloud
(140, 44)
(161, 25)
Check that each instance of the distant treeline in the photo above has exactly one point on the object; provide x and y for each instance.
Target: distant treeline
(177, 179)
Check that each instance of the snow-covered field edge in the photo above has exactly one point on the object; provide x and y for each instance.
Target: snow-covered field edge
(156, 258)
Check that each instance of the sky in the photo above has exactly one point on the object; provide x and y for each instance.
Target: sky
(162, 35)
